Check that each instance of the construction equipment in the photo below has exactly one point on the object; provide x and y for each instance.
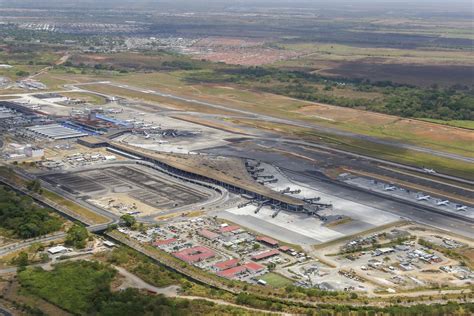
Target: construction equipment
(265, 176)
(268, 181)
(244, 204)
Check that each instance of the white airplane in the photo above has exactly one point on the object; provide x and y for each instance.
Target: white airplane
(429, 170)
(389, 188)
(162, 141)
(146, 135)
(461, 207)
(441, 202)
(423, 198)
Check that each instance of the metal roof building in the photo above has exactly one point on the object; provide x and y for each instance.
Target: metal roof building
(56, 131)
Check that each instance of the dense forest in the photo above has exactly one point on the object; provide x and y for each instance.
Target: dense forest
(22, 218)
(454, 103)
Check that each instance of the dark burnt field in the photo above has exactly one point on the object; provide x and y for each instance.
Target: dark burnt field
(419, 75)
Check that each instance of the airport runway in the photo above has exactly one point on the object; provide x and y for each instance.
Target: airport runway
(279, 120)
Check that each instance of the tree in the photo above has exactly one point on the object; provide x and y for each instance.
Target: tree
(77, 236)
(271, 266)
(34, 186)
(22, 261)
(22, 73)
(128, 220)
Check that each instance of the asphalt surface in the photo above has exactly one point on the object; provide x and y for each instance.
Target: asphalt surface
(25, 243)
(4, 312)
(306, 172)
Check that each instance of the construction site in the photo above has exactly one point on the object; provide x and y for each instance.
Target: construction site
(127, 188)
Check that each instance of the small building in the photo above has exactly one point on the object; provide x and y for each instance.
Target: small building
(34, 152)
(229, 229)
(109, 244)
(267, 241)
(57, 250)
(208, 234)
(224, 265)
(194, 254)
(384, 251)
(164, 242)
(265, 255)
(249, 267)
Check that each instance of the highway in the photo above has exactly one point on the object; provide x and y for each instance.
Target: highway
(5, 249)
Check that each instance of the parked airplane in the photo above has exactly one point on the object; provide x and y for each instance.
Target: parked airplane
(441, 202)
(423, 198)
(460, 207)
(390, 188)
(429, 170)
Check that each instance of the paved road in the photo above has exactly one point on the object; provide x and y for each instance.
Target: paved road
(284, 121)
(26, 243)
(5, 312)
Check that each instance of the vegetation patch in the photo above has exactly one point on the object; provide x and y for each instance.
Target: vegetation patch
(77, 287)
(83, 288)
(276, 280)
(25, 219)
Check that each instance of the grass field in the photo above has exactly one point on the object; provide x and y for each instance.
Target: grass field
(75, 208)
(276, 280)
(461, 124)
(338, 52)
